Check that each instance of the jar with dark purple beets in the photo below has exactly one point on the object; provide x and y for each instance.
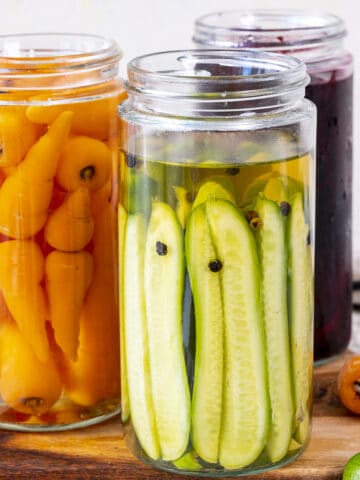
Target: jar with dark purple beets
(318, 40)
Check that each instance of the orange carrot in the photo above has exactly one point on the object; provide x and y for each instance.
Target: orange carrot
(95, 377)
(68, 276)
(25, 196)
(26, 384)
(21, 271)
(70, 227)
(84, 162)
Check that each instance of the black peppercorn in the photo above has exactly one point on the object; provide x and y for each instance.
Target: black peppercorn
(285, 208)
(130, 160)
(232, 171)
(215, 265)
(161, 248)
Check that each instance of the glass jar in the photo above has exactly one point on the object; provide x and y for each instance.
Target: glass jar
(317, 38)
(58, 231)
(215, 217)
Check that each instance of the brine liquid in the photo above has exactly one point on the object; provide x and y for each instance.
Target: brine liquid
(216, 301)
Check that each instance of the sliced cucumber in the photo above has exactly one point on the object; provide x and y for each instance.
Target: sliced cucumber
(136, 337)
(208, 376)
(301, 315)
(125, 412)
(245, 417)
(188, 462)
(272, 250)
(164, 288)
(218, 187)
(183, 206)
(139, 191)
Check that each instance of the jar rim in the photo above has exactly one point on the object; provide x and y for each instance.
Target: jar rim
(214, 80)
(45, 50)
(267, 28)
(176, 69)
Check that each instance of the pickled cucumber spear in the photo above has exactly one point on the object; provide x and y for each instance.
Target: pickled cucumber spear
(272, 251)
(245, 410)
(301, 314)
(164, 289)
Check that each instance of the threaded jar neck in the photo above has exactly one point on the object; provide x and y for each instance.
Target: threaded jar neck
(200, 83)
(56, 60)
(311, 35)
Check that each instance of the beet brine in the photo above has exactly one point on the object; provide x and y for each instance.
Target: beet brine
(318, 40)
(333, 215)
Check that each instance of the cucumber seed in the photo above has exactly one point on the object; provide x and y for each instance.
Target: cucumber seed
(161, 248)
(215, 265)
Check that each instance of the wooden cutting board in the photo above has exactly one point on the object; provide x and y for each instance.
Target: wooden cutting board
(100, 452)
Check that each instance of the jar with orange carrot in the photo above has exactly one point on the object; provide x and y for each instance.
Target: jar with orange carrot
(59, 325)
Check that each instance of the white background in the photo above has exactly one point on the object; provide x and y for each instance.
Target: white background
(143, 26)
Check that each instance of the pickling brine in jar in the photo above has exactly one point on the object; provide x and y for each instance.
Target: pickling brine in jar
(216, 263)
(59, 345)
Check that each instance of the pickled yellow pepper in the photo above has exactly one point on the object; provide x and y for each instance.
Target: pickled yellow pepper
(21, 271)
(95, 375)
(70, 227)
(95, 118)
(27, 384)
(25, 196)
(68, 276)
(84, 162)
(17, 135)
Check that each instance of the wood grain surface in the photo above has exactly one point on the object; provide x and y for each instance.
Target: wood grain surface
(100, 452)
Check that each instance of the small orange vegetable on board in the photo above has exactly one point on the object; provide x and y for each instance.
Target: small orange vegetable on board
(84, 162)
(26, 194)
(21, 271)
(349, 384)
(17, 135)
(95, 376)
(68, 276)
(70, 227)
(26, 384)
(96, 118)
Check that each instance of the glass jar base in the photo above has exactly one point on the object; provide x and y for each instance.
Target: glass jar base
(215, 471)
(331, 358)
(57, 420)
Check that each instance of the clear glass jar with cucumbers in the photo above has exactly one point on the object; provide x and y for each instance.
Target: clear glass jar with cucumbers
(216, 229)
